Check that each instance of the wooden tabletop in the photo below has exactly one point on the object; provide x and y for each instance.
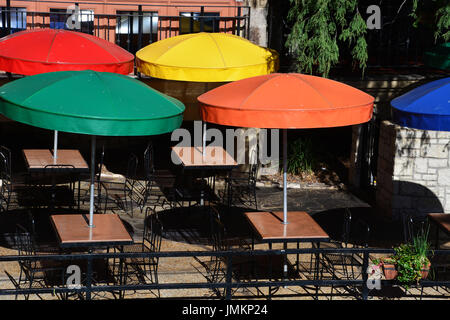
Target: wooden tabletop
(73, 230)
(38, 159)
(214, 158)
(301, 227)
(442, 220)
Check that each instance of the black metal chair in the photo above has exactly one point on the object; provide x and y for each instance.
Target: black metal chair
(113, 192)
(412, 226)
(54, 187)
(143, 270)
(245, 267)
(241, 186)
(5, 178)
(9, 183)
(347, 266)
(34, 273)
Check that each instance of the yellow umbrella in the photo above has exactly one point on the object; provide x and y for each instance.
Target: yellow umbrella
(205, 57)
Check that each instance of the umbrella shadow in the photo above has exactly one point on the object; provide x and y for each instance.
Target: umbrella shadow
(383, 232)
(192, 225)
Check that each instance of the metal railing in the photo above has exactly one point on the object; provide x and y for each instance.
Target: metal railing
(133, 26)
(88, 288)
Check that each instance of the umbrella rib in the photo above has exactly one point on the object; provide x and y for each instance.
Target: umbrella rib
(51, 45)
(320, 94)
(110, 53)
(166, 51)
(218, 49)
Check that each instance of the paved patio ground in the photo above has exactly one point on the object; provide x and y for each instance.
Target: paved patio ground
(185, 230)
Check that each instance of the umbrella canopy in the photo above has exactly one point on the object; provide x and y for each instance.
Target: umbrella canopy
(426, 107)
(205, 57)
(36, 51)
(286, 101)
(90, 102)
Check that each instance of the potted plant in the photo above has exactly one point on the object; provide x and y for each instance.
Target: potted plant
(422, 247)
(388, 266)
(412, 259)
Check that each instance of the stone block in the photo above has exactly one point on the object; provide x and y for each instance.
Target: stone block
(421, 165)
(439, 151)
(443, 176)
(437, 163)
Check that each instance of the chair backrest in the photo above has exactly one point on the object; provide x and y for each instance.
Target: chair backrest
(132, 166)
(55, 174)
(5, 163)
(412, 226)
(149, 167)
(152, 230)
(254, 166)
(23, 241)
(355, 230)
(218, 234)
(346, 226)
(130, 176)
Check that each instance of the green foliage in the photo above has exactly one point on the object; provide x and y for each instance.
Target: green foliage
(318, 25)
(409, 265)
(301, 157)
(411, 258)
(441, 9)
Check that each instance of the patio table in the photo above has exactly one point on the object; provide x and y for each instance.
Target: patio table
(214, 158)
(70, 160)
(269, 227)
(73, 231)
(442, 221)
(37, 159)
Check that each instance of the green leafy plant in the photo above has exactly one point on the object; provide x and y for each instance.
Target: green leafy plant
(301, 157)
(412, 258)
(319, 27)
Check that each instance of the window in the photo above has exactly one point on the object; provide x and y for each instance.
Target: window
(127, 29)
(18, 19)
(191, 22)
(77, 20)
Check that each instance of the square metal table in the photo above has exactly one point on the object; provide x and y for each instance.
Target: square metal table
(301, 227)
(442, 221)
(38, 159)
(214, 158)
(73, 230)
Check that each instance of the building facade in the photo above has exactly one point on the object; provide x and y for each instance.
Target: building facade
(130, 24)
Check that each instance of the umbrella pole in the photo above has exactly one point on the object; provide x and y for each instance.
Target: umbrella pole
(285, 221)
(204, 139)
(91, 194)
(55, 146)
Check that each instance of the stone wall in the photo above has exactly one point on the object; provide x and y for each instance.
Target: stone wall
(413, 174)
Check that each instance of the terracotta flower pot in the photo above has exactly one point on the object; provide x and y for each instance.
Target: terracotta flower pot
(390, 271)
(425, 270)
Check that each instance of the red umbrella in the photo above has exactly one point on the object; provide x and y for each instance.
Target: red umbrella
(36, 51)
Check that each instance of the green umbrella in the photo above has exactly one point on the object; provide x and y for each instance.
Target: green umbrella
(89, 102)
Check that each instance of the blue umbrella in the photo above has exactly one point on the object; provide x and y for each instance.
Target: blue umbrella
(426, 107)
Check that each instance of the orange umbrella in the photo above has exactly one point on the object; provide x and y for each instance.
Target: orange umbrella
(286, 101)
